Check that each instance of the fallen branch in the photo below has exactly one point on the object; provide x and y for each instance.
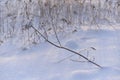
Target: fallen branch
(74, 55)
(65, 48)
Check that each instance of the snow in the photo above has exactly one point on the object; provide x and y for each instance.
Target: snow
(90, 28)
(41, 62)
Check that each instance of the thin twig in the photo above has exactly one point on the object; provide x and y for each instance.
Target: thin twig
(77, 60)
(65, 58)
(61, 47)
(70, 56)
(56, 36)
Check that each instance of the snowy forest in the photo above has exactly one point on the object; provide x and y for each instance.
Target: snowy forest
(17, 16)
(61, 39)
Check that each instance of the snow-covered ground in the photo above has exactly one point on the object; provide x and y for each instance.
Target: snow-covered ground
(43, 61)
(80, 26)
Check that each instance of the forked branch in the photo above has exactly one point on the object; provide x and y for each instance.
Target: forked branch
(61, 47)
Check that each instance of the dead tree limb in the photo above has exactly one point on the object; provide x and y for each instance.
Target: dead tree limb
(68, 57)
(61, 47)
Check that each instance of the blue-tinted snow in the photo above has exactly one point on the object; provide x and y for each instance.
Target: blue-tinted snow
(40, 62)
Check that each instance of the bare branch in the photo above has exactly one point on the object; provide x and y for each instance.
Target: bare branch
(61, 47)
(77, 60)
(56, 36)
(65, 58)
(73, 55)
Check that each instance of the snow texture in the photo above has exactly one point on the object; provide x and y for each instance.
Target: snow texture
(90, 27)
(41, 62)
